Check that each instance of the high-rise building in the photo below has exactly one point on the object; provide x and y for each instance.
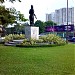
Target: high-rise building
(60, 16)
(50, 17)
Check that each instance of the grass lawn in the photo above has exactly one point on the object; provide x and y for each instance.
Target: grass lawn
(37, 61)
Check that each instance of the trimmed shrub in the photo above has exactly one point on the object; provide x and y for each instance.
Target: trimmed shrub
(17, 36)
(8, 38)
(39, 41)
(44, 38)
(47, 40)
(37, 45)
(32, 41)
(25, 42)
(12, 37)
(52, 38)
(29, 42)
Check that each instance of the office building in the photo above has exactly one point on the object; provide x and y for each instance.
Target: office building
(60, 16)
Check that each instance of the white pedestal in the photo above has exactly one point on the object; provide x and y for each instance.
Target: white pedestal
(32, 32)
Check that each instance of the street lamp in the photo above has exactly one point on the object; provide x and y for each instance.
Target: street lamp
(67, 24)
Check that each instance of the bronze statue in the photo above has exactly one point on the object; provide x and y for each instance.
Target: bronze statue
(31, 17)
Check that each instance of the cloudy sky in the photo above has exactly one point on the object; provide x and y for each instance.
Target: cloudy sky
(41, 7)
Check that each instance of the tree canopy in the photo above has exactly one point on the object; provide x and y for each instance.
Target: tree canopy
(5, 16)
(2, 1)
(50, 23)
(8, 16)
(21, 17)
(42, 25)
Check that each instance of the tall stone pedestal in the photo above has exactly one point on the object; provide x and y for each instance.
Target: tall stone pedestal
(32, 32)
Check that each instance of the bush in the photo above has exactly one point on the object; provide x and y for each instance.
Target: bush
(8, 38)
(12, 37)
(44, 38)
(53, 38)
(28, 42)
(25, 42)
(39, 41)
(49, 39)
(17, 36)
(32, 41)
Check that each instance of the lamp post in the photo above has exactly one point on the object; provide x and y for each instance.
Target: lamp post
(67, 24)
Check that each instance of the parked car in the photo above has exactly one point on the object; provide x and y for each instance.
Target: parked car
(72, 39)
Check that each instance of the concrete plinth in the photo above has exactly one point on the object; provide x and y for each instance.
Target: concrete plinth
(31, 32)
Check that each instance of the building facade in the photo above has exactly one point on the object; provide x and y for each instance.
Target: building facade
(60, 16)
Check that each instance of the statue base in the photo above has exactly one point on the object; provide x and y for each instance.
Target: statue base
(32, 32)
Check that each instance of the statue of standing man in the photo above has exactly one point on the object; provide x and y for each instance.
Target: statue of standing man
(31, 16)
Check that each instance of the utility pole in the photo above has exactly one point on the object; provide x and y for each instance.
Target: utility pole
(67, 24)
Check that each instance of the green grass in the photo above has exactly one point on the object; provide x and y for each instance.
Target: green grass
(37, 61)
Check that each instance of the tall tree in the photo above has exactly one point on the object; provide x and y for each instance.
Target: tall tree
(6, 16)
(19, 20)
(41, 26)
(2, 1)
(21, 17)
(18, 14)
(9, 17)
(50, 23)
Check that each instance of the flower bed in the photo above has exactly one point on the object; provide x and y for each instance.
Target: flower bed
(49, 40)
(43, 41)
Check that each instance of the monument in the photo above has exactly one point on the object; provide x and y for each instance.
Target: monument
(31, 31)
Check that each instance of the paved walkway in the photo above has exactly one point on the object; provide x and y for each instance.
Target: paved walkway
(1, 39)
